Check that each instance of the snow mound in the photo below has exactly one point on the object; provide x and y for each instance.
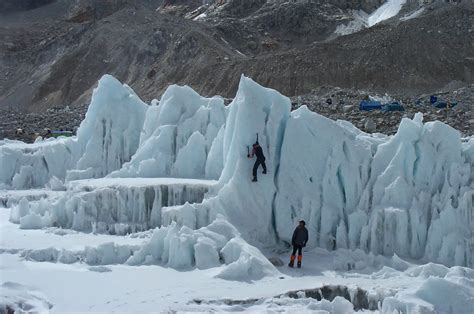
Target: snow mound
(176, 247)
(16, 298)
(245, 262)
(455, 284)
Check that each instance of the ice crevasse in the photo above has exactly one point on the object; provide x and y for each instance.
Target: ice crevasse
(409, 194)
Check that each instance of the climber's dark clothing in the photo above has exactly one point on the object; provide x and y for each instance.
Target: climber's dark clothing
(259, 162)
(300, 236)
(258, 152)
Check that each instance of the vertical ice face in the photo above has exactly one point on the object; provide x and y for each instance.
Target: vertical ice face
(407, 194)
(410, 194)
(110, 205)
(177, 136)
(248, 205)
(110, 133)
(403, 194)
(108, 137)
(424, 171)
(323, 171)
(26, 166)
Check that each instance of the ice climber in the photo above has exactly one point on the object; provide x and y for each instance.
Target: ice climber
(299, 239)
(258, 152)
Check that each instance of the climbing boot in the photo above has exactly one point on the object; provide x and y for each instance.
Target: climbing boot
(299, 264)
(300, 258)
(254, 179)
(292, 261)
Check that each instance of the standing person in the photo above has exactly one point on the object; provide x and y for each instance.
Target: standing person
(299, 240)
(258, 152)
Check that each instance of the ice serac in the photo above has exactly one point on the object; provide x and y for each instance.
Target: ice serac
(323, 171)
(110, 132)
(110, 205)
(25, 166)
(247, 205)
(107, 138)
(410, 194)
(177, 136)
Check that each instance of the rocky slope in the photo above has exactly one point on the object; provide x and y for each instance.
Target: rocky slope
(54, 51)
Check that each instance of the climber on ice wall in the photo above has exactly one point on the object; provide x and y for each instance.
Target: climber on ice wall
(258, 152)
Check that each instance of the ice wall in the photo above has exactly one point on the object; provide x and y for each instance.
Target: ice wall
(177, 136)
(410, 194)
(324, 169)
(32, 165)
(116, 206)
(247, 205)
(108, 137)
(110, 132)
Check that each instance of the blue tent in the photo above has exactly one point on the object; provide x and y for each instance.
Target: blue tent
(368, 105)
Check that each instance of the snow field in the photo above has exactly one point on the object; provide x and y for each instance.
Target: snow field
(388, 283)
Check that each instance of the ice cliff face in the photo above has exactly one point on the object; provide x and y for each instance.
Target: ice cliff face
(410, 194)
(177, 136)
(108, 137)
(249, 206)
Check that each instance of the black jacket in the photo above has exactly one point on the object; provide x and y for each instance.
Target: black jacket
(300, 236)
(258, 151)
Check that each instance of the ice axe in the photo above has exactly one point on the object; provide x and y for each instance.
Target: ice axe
(248, 152)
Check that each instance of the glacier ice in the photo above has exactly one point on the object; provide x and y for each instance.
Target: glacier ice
(108, 137)
(409, 195)
(248, 206)
(176, 137)
(110, 205)
(181, 248)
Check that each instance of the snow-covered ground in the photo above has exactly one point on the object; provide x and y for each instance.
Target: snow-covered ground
(79, 287)
(152, 208)
(361, 20)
